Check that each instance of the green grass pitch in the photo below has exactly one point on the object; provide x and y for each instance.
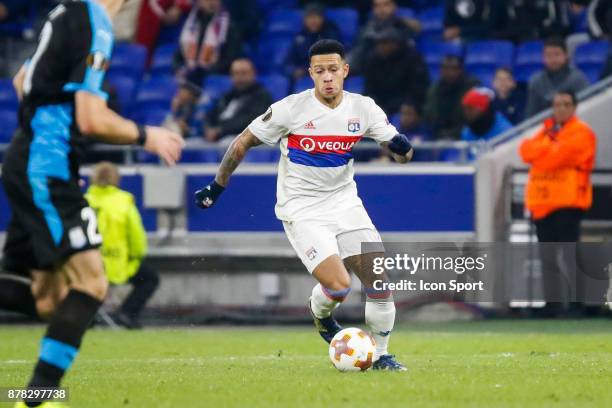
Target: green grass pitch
(468, 364)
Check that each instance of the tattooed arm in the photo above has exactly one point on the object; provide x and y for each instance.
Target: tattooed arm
(234, 155)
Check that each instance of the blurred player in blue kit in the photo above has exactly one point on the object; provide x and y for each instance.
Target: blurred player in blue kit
(53, 237)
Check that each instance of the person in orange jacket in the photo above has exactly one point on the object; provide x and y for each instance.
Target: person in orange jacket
(559, 191)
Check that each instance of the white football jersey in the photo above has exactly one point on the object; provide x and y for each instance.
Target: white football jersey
(315, 175)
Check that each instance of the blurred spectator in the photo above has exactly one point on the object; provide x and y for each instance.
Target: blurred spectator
(316, 27)
(482, 121)
(411, 123)
(557, 75)
(209, 43)
(125, 22)
(561, 155)
(509, 97)
(384, 16)
(531, 20)
(394, 71)
(236, 109)
(468, 20)
(156, 13)
(125, 242)
(443, 103)
(11, 10)
(600, 18)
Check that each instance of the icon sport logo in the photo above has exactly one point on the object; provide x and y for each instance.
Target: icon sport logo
(321, 151)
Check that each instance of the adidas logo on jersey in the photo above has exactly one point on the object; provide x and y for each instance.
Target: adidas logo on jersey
(309, 125)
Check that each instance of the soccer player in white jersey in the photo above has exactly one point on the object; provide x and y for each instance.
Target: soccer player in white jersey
(317, 199)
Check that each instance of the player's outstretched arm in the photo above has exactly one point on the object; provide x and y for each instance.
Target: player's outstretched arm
(206, 197)
(400, 147)
(18, 82)
(95, 119)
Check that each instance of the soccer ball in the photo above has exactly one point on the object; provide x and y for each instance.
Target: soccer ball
(352, 349)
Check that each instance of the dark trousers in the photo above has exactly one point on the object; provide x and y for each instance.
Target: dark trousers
(561, 226)
(144, 283)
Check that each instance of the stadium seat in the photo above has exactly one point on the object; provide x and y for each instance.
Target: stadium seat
(347, 21)
(592, 72)
(156, 92)
(272, 54)
(266, 5)
(484, 73)
(591, 57)
(150, 116)
(259, 155)
(277, 85)
(284, 21)
(434, 72)
(163, 58)
(432, 22)
(529, 53)
(405, 12)
(523, 73)
(489, 54)
(8, 119)
(215, 86)
(302, 84)
(129, 59)
(8, 97)
(125, 87)
(200, 156)
(354, 84)
(435, 51)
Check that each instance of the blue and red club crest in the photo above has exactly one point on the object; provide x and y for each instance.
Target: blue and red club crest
(354, 125)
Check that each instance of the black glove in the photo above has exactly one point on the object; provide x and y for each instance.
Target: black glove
(207, 197)
(400, 145)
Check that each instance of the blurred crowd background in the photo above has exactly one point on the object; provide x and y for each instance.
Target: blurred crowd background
(442, 70)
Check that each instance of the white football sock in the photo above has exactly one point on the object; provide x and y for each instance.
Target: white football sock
(380, 317)
(323, 301)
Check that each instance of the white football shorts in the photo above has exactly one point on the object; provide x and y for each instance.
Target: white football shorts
(315, 240)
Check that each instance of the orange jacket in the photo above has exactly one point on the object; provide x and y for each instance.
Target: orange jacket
(561, 162)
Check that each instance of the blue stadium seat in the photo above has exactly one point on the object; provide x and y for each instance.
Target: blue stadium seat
(8, 97)
(157, 92)
(267, 5)
(285, 21)
(129, 59)
(303, 84)
(125, 87)
(272, 54)
(215, 86)
(592, 72)
(522, 73)
(163, 58)
(434, 72)
(591, 56)
(200, 156)
(259, 155)
(484, 73)
(435, 51)
(150, 116)
(8, 119)
(405, 12)
(354, 84)
(489, 54)
(432, 22)
(347, 21)
(277, 85)
(529, 53)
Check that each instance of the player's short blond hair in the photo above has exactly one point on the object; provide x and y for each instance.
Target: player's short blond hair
(105, 174)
